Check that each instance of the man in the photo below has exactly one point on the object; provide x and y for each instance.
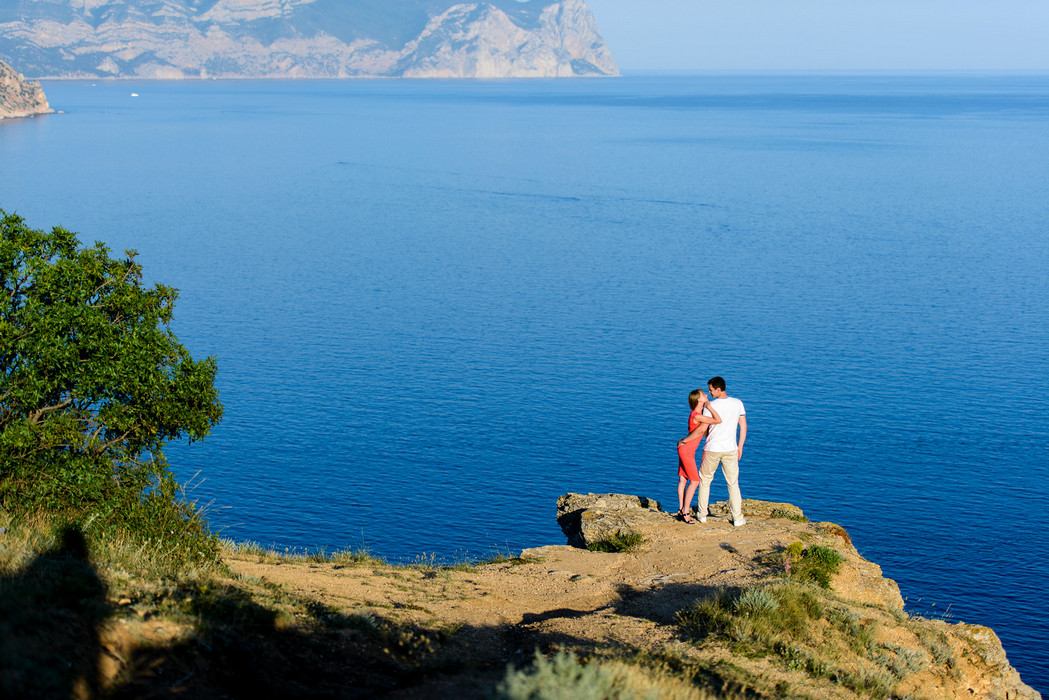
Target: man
(722, 449)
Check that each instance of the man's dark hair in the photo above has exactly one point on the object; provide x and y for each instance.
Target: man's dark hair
(717, 383)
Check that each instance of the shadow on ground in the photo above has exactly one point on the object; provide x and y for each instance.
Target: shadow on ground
(52, 614)
(661, 604)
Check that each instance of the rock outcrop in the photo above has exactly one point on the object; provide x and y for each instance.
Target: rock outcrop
(587, 519)
(20, 97)
(303, 39)
(590, 518)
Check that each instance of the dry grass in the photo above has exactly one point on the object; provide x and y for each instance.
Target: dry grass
(807, 629)
(619, 541)
(564, 676)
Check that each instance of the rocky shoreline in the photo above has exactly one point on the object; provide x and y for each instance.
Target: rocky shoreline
(20, 97)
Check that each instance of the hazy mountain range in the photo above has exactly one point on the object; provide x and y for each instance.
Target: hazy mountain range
(301, 38)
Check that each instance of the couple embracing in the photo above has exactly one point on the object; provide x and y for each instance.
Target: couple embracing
(717, 419)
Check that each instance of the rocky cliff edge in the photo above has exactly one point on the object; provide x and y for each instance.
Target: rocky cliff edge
(717, 607)
(20, 97)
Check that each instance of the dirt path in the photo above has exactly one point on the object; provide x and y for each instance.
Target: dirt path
(628, 599)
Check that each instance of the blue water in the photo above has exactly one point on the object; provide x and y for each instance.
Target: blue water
(437, 306)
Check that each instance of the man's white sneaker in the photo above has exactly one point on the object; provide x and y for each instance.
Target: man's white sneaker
(703, 519)
(738, 523)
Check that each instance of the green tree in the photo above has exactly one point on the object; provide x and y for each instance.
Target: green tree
(93, 383)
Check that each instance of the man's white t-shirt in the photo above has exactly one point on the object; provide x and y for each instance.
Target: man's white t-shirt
(722, 436)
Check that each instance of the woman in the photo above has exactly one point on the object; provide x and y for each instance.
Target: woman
(686, 452)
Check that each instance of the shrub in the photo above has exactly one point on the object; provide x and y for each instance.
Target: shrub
(759, 615)
(817, 564)
(566, 677)
(789, 515)
(756, 601)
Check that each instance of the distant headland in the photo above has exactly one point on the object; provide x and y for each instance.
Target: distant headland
(20, 97)
(304, 39)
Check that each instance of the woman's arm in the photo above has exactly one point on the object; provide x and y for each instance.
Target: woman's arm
(713, 418)
(704, 423)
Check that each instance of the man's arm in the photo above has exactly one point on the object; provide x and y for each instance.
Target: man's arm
(695, 434)
(742, 436)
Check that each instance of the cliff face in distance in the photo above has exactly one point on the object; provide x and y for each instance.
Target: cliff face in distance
(20, 97)
(303, 39)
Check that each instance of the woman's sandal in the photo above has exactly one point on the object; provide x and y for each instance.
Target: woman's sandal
(685, 518)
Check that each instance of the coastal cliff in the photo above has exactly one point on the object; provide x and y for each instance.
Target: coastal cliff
(729, 583)
(20, 97)
(644, 606)
(304, 39)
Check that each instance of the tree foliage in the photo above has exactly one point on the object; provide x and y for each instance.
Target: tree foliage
(93, 383)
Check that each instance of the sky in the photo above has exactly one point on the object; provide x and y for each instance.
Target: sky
(889, 35)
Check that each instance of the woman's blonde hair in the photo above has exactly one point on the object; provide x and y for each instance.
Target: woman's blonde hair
(693, 398)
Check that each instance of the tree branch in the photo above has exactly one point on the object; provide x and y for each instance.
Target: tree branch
(39, 413)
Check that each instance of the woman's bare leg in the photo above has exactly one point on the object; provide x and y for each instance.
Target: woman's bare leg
(689, 494)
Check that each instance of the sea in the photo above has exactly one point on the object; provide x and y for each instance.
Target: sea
(436, 306)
